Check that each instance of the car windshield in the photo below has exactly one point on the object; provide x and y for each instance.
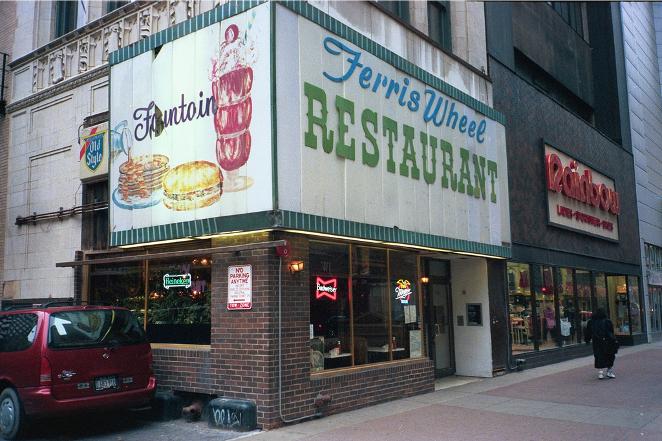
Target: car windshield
(100, 327)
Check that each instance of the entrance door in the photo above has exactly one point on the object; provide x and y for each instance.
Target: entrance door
(440, 330)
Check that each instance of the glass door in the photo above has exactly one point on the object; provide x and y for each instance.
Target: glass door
(440, 330)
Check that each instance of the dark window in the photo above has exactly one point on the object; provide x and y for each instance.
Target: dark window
(112, 5)
(66, 14)
(398, 8)
(571, 13)
(17, 332)
(439, 24)
(95, 219)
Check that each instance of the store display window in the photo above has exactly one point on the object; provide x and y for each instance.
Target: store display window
(566, 307)
(545, 313)
(617, 293)
(359, 313)
(601, 298)
(584, 300)
(519, 305)
(634, 305)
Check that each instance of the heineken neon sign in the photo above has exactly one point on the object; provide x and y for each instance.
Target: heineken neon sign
(177, 281)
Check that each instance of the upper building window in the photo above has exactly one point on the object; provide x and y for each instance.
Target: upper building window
(94, 233)
(571, 13)
(66, 17)
(398, 8)
(112, 5)
(439, 23)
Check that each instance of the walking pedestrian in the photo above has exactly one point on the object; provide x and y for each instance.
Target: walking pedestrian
(600, 330)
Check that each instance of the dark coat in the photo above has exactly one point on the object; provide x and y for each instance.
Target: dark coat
(600, 328)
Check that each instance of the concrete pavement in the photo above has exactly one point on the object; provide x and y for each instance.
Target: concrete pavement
(563, 402)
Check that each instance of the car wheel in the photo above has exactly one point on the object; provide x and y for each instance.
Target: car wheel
(11, 414)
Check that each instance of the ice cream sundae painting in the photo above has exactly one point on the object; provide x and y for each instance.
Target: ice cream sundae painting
(231, 82)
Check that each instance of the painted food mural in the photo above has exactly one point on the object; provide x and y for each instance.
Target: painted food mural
(182, 146)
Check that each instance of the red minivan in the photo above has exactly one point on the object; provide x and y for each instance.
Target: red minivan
(59, 360)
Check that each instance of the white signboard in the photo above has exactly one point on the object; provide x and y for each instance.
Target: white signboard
(580, 198)
(240, 287)
(191, 127)
(378, 146)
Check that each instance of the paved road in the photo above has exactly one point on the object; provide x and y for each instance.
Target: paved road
(561, 402)
(123, 426)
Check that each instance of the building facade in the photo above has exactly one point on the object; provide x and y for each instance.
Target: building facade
(317, 206)
(559, 78)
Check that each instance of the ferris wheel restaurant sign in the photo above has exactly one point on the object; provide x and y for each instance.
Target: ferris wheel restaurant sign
(579, 198)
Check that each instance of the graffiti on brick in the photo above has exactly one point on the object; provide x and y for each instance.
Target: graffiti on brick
(227, 417)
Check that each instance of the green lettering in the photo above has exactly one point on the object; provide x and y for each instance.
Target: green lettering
(409, 154)
(314, 93)
(492, 172)
(464, 173)
(369, 159)
(390, 128)
(447, 165)
(479, 176)
(345, 107)
(429, 177)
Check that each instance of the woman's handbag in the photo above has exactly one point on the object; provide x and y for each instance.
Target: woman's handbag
(610, 345)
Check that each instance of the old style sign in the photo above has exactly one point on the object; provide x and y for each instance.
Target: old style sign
(240, 287)
(93, 154)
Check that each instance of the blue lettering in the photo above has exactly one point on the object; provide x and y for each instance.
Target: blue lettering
(353, 60)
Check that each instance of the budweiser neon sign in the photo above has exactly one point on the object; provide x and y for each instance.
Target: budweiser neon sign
(579, 186)
(326, 288)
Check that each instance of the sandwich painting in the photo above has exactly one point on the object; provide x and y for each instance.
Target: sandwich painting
(192, 121)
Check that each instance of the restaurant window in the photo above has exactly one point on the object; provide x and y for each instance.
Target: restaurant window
(439, 23)
(66, 16)
(329, 306)
(370, 305)
(399, 9)
(584, 299)
(175, 307)
(405, 330)
(519, 305)
(357, 314)
(94, 231)
(567, 307)
(634, 305)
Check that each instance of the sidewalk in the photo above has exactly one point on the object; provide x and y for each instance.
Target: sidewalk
(564, 401)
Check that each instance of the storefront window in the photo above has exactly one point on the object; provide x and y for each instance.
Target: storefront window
(405, 330)
(567, 323)
(601, 298)
(179, 296)
(370, 305)
(655, 302)
(584, 306)
(519, 304)
(329, 306)
(618, 302)
(178, 309)
(545, 314)
(361, 316)
(120, 285)
(635, 305)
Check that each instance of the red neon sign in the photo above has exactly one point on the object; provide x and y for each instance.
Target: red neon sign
(326, 288)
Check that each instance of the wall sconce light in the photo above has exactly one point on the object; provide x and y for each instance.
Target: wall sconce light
(296, 266)
(425, 280)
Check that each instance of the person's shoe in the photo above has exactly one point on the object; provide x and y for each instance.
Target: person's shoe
(610, 374)
(601, 375)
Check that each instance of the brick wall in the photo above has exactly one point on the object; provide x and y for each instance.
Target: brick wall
(243, 359)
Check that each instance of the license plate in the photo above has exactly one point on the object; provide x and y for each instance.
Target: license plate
(104, 383)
